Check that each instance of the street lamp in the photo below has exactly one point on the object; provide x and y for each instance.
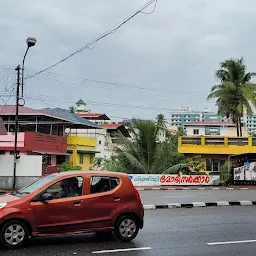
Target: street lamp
(30, 43)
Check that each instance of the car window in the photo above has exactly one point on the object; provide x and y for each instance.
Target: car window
(66, 188)
(36, 185)
(103, 184)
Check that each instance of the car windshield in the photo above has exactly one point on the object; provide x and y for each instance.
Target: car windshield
(34, 186)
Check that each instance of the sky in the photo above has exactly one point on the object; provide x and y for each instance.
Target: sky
(153, 64)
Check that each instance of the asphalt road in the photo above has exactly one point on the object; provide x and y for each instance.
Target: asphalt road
(177, 232)
(189, 196)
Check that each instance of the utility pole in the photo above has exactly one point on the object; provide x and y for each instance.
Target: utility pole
(15, 155)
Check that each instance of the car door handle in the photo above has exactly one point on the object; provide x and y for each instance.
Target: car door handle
(116, 198)
(77, 202)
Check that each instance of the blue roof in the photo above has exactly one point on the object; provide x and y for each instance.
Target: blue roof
(76, 120)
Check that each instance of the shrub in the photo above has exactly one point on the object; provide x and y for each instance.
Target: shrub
(67, 166)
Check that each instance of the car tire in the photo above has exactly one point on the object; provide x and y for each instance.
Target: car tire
(126, 228)
(14, 234)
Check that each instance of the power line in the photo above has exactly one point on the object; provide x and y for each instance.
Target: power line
(42, 99)
(116, 85)
(94, 42)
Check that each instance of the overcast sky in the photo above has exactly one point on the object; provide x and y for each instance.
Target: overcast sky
(160, 61)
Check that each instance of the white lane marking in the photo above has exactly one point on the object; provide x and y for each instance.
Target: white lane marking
(199, 204)
(222, 203)
(245, 203)
(233, 242)
(123, 250)
(244, 188)
(149, 207)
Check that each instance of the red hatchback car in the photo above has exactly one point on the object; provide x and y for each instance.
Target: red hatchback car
(71, 203)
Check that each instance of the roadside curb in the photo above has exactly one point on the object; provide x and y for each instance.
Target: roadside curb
(199, 204)
(185, 188)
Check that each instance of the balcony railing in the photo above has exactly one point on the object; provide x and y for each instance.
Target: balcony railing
(217, 145)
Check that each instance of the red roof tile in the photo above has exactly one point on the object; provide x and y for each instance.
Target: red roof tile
(210, 123)
(111, 126)
(9, 110)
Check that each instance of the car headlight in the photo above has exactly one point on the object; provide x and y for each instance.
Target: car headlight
(2, 205)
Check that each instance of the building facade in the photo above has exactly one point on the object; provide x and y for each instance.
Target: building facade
(212, 128)
(186, 115)
(82, 151)
(216, 150)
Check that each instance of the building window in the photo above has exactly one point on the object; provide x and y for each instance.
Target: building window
(81, 158)
(214, 165)
(196, 132)
(91, 159)
(60, 159)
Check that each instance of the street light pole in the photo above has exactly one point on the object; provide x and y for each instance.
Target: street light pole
(30, 42)
(15, 155)
(22, 76)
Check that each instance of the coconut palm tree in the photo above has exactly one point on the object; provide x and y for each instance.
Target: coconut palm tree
(236, 92)
(143, 153)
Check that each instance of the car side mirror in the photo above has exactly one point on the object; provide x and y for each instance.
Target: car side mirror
(45, 197)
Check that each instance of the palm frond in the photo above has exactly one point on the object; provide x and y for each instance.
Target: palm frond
(175, 169)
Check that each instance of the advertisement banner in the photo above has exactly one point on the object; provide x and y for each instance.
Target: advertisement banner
(246, 172)
(173, 180)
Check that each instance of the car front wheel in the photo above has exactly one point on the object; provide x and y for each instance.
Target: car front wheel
(14, 234)
(126, 228)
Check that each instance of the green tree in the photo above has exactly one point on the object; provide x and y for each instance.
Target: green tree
(161, 121)
(142, 153)
(72, 109)
(235, 93)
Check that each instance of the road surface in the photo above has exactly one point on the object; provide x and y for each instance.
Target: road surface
(188, 196)
(177, 232)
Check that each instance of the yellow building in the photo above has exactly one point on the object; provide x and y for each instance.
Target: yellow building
(216, 149)
(82, 151)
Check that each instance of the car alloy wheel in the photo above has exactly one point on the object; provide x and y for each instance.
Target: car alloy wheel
(14, 234)
(126, 228)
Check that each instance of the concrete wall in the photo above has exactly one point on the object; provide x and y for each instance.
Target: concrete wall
(6, 182)
(29, 168)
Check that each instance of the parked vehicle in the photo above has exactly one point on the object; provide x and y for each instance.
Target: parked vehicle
(71, 203)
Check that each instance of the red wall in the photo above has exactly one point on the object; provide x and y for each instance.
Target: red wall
(45, 143)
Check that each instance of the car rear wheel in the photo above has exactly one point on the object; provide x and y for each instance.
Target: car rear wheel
(14, 234)
(126, 228)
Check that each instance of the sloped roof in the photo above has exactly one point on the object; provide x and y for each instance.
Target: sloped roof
(76, 120)
(117, 127)
(10, 110)
(93, 115)
(111, 126)
(80, 102)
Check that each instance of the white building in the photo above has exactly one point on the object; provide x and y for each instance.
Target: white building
(184, 116)
(212, 129)
(106, 137)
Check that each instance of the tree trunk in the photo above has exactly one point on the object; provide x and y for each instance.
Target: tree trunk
(241, 130)
(237, 128)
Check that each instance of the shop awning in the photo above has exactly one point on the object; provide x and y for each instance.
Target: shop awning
(51, 153)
